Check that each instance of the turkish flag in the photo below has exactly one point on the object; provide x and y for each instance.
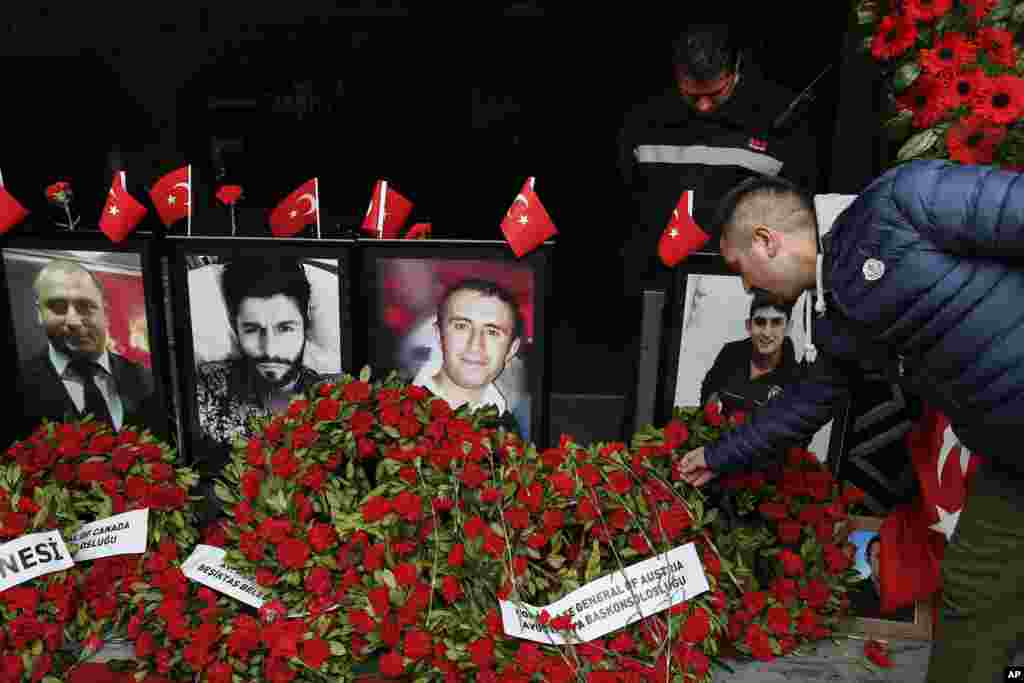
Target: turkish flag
(172, 196)
(296, 211)
(527, 224)
(11, 211)
(682, 236)
(914, 536)
(396, 210)
(418, 231)
(122, 212)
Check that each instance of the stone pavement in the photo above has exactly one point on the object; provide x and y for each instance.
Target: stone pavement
(839, 664)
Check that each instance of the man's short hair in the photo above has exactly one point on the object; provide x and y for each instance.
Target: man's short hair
(66, 268)
(764, 200)
(705, 52)
(263, 278)
(867, 550)
(764, 301)
(484, 288)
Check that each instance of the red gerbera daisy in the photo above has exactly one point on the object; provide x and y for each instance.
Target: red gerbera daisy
(963, 88)
(928, 98)
(973, 140)
(998, 45)
(952, 52)
(896, 34)
(1000, 99)
(980, 9)
(927, 10)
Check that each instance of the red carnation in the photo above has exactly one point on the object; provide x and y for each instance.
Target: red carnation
(356, 392)
(620, 482)
(792, 564)
(974, 140)
(776, 511)
(251, 483)
(998, 44)
(878, 653)
(754, 601)
(563, 483)
(928, 98)
(896, 34)
(553, 520)
(408, 505)
(473, 475)
(417, 644)
(361, 422)
(807, 622)
(380, 600)
(292, 553)
(980, 9)
(406, 574)
(778, 620)
(361, 621)
(676, 434)
(816, 593)
(789, 531)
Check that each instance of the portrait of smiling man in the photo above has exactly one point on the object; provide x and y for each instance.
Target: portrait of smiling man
(78, 374)
(479, 330)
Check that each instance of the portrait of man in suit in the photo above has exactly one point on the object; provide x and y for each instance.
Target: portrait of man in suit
(77, 373)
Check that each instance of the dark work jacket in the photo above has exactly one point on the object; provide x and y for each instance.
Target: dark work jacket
(924, 281)
(729, 377)
(664, 148)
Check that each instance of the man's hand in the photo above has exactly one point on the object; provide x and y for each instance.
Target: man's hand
(693, 469)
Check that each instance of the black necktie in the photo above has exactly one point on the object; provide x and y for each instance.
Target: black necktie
(95, 404)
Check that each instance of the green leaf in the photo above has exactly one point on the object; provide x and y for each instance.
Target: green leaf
(1018, 13)
(918, 145)
(386, 577)
(594, 563)
(364, 374)
(337, 649)
(906, 75)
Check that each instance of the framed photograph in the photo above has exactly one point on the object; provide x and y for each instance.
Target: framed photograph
(465, 319)
(86, 329)
(913, 622)
(713, 330)
(262, 320)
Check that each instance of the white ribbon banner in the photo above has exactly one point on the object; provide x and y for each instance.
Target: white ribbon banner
(32, 555)
(206, 566)
(124, 534)
(614, 600)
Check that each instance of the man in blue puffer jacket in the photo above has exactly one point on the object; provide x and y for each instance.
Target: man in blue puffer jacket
(923, 276)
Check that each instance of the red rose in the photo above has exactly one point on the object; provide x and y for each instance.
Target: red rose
(408, 505)
(417, 644)
(322, 537)
(759, 643)
(784, 590)
(638, 543)
(807, 622)
(778, 620)
(531, 496)
(228, 195)
(284, 464)
(620, 482)
(676, 434)
(490, 494)
(713, 414)
(474, 527)
(409, 427)
(789, 531)
(878, 653)
(356, 392)
(816, 593)
(376, 508)
(367, 448)
(563, 483)
(161, 471)
(589, 474)
(451, 589)
(473, 475)
(392, 665)
(811, 514)
(361, 422)
(457, 555)
(553, 520)
(251, 483)
(697, 628)
(852, 495)
(792, 564)
(439, 409)
(776, 511)
(819, 484)
(374, 557)
(292, 553)
(823, 531)
(481, 651)
(391, 415)
(754, 601)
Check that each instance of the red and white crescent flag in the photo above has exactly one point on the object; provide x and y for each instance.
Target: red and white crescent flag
(913, 536)
(418, 231)
(682, 236)
(296, 211)
(527, 224)
(395, 207)
(122, 212)
(171, 196)
(11, 210)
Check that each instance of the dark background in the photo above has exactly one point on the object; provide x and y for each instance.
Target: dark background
(455, 110)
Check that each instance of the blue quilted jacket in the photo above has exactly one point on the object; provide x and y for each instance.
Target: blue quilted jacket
(943, 315)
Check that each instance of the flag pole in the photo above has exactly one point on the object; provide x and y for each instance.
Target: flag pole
(380, 209)
(316, 194)
(188, 216)
(1, 179)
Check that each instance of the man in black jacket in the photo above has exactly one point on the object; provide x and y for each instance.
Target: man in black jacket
(750, 372)
(712, 129)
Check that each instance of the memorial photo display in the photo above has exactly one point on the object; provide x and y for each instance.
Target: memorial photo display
(714, 327)
(465, 320)
(264, 321)
(85, 329)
